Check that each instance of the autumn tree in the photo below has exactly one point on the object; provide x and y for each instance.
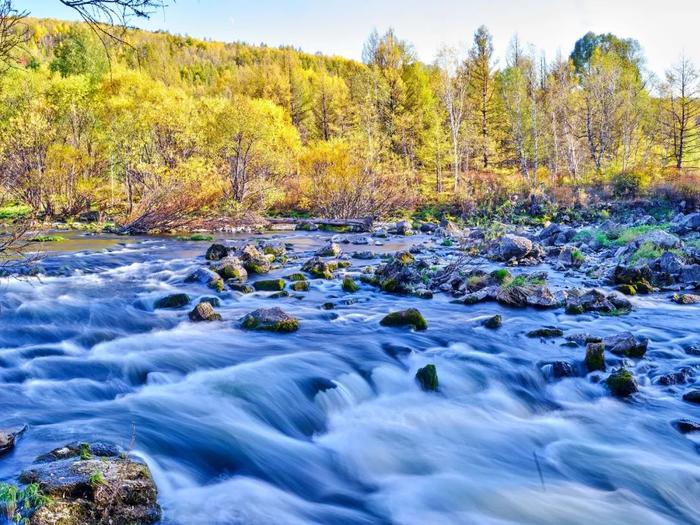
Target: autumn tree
(482, 88)
(682, 112)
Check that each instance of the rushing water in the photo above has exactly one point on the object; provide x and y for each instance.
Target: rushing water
(327, 425)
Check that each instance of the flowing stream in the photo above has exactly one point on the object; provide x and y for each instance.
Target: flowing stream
(327, 425)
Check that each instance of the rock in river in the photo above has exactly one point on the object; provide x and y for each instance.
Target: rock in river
(92, 483)
(627, 345)
(621, 383)
(410, 317)
(427, 377)
(204, 312)
(270, 319)
(176, 300)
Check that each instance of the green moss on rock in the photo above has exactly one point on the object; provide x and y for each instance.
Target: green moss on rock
(595, 357)
(427, 377)
(300, 286)
(176, 300)
(621, 383)
(411, 317)
(349, 285)
(269, 285)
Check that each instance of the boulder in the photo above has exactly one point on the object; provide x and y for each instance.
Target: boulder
(240, 287)
(670, 263)
(403, 228)
(410, 317)
(176, 300)
(254, 261)
(686, 426)
(493, 322)
(300, 286)
(278, 251)
(349, 285)
(690, 274)
(595, 357)
(686, 298)
(556, 235)
(231, 267)
(528, 295)
(206, 276)
(330, 249)
(626, 344)
(320, 268)
(270, 319)
(692, 396)
(401, 275)
(571, 256)
(660, 238)
(688, 223)
(562, 369)
(216, 252)
(92, 483)
(621, 383)
(269, 285)
(512, 247)
(427, 378)
(204, 311)
(547, 331)
(8, 439)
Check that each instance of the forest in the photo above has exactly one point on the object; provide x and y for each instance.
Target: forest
(157, 132)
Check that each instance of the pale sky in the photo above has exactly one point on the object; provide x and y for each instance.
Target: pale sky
(664, 29)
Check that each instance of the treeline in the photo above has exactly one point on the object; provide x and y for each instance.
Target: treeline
(160, 129)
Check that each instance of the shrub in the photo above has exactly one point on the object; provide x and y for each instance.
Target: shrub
(627, 184)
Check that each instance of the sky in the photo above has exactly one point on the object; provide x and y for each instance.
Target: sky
(339, 27)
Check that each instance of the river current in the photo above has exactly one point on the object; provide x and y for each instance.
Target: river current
(328, 425)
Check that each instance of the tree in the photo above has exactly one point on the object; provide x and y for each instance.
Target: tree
(255, 146)
(454, 81)
(482, 89)
(681, 112)
(12, 34)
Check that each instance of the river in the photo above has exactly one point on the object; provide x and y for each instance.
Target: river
(328, 425)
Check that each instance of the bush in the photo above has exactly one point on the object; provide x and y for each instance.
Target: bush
(627, 184)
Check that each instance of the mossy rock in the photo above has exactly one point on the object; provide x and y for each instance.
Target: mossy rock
(372, 280)
(176, 300)
(296, 277)
(574, 309)
(271, 320)
(204, 312)
(349, 285)
(328, 306)
(427, 378)
(214, 301)
(493, 322)
(232, 271)
(279, 295)
(269, 285)
(627, 289)
(644, 287)
(595, 357)
(501, 276)
(242, 288)
(545, 332)
(621, 383)
(410, 317)
(423, 294)
(300, 286)
(216, 252)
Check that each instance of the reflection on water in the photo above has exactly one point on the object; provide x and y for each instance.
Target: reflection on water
(327, 425)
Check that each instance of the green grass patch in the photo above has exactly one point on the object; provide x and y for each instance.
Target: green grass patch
(196, 237)
(47, 238)
(14, 211)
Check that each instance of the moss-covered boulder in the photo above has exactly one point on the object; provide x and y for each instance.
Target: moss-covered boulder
(278, 251)
(300, 286)
(92, 483)
(270, 319)
(269, 285)
(595, 357)
(349, 285)
(493, 322)
(176, 300)
(330, 249)
(685, 298)
(204, 311)
(240, 287)
(254, 261)
(231, 268)
(427, 378)
(320, 268)
(410, 317)
(296, 277)
(205, 276)
(402, 274)
(622, 383)
(626, 344)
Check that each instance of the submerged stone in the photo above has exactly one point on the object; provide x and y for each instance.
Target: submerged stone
(410, 317)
